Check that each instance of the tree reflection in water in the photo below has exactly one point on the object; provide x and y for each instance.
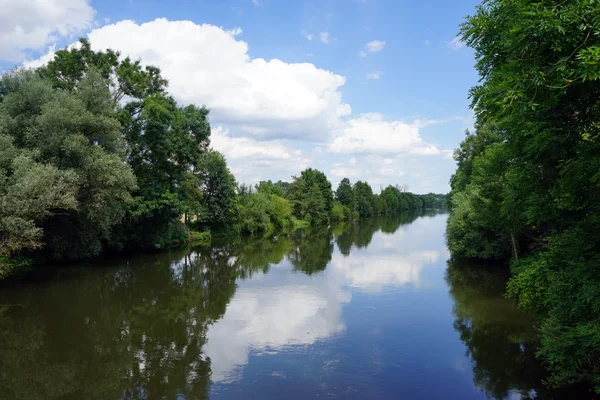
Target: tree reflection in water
(138, 327)
(500, 339)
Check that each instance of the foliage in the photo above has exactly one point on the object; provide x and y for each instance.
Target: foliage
(527, 185)
(65, 183)
(200, 237)
(163, 142)
(311, 196)
(253, 213)
(340, 212)
(218, 187)
(281, 211)
(344, 194)
(363, 196)
(278, 188)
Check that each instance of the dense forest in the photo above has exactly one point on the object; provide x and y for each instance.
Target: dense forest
(96, 156)
(527, 187)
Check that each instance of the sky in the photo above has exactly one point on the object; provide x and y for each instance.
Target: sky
(373, 90)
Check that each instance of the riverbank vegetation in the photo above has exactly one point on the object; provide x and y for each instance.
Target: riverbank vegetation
(97, 156)
(527, 187)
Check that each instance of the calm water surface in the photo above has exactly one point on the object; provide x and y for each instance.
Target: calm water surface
(368, 311)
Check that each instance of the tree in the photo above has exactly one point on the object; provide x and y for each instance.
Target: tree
(164, 142)
(30, 193)
(66, 135)
(311, 196)
(363, 196)
(527, 180)
(344, 194)
(218, 186)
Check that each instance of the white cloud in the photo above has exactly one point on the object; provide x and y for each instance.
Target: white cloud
(344, 172)
(374, 75)
(362, 53)
(427, 42)
(325, 37)
(308, 36)
(371, 273)
(266, 319)
(257, 3)
(375, 46)
(207, 65)
(35, 24)
(456, 44)
(370, 133)
(252, 160)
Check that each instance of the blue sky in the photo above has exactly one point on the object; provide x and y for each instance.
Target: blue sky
(370, 89)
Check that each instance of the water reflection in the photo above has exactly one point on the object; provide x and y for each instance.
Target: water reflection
(500, 339)
(351, 311)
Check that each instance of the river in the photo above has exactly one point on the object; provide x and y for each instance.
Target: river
(355, 311)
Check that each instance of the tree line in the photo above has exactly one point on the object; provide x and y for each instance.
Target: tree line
(96, 156)
(527, 187)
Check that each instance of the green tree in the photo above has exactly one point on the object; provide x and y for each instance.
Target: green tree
(164, 142)
(218, 186)
(76, 133)
(311, 196)
(528, 179)
(344, 194)
(363, 197)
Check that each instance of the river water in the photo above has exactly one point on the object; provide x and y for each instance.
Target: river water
(358, 311)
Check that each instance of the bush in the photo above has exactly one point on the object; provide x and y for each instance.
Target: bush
(173, 234)
(254, 213)
(280, 211)
(200, 237)
(340, 212)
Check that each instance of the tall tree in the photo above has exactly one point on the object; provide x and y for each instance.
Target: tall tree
(344, 194)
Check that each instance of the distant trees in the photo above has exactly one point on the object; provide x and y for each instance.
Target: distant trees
(527, 187)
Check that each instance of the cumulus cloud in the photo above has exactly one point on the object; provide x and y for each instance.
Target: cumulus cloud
(370, 133)
(325, 37)
(263, 156)
(35, 24)
(207, 65)
(374, 75)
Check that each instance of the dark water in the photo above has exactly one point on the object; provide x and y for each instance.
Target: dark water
(369, 311)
